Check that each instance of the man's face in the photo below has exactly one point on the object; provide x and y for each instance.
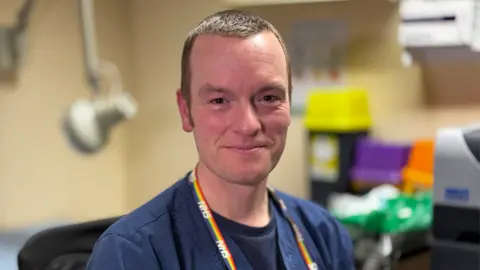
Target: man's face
(239, 105)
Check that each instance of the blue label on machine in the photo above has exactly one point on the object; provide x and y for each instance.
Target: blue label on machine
(457, 194)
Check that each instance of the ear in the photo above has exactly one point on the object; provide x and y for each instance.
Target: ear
(184, 112)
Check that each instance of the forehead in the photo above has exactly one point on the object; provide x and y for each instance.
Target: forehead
(237, 62)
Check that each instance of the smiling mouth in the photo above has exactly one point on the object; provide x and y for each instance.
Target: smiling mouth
(246, 149)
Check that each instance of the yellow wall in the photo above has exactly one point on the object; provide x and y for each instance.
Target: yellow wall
(42, 178)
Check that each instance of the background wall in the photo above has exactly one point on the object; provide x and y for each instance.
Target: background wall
(42, 178)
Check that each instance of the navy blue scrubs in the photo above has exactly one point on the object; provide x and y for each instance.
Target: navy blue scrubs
(170, 233)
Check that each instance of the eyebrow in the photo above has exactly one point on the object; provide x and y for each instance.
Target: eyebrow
(273, 86)
(208, 88)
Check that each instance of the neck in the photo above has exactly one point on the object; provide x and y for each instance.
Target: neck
(245, 204)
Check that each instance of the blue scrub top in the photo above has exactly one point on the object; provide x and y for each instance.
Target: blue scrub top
(169, 233)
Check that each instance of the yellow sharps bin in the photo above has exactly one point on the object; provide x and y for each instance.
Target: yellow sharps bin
(335, 120)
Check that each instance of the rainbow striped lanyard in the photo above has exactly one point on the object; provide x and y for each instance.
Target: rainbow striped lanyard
(218, 237)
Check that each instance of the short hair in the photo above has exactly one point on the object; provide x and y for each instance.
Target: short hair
(227, 23)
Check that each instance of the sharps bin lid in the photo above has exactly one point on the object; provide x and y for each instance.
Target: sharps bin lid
(338, 110)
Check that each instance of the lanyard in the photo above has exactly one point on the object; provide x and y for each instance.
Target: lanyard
(218, 237)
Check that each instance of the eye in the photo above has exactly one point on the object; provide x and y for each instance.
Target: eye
(218, 101)
(270, 98)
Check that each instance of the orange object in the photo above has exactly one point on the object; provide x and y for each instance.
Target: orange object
(418, 174)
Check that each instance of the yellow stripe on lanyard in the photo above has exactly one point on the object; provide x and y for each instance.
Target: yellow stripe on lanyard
(218, 237)
(212, 225)
(311, 265)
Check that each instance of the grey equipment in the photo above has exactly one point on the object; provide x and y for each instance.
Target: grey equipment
(456, 210)
(88, 123)
(12, 38)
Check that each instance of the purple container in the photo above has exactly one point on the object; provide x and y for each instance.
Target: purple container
(379, 162)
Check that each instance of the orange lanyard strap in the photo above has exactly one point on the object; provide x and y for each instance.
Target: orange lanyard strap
(218, 237)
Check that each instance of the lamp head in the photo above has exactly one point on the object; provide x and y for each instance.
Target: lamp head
(88, 123)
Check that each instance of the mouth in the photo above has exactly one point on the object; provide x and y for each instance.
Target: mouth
(246, 149)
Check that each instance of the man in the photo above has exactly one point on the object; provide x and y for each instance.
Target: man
(235, 99)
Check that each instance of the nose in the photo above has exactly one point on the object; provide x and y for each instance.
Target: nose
(246, 121)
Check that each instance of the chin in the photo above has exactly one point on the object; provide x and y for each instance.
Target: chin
(246, 170)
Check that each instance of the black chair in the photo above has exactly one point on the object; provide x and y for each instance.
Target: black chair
(62, 248)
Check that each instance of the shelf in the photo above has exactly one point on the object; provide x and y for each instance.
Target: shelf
(251, 3)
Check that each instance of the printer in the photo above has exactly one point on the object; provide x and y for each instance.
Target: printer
(456, 210)
(436, 23)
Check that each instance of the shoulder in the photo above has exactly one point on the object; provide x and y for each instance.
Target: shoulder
(153, 213)
(324, 229)
(129, 238)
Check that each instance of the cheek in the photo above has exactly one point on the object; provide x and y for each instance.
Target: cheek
(277, 125)
(208, 125)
